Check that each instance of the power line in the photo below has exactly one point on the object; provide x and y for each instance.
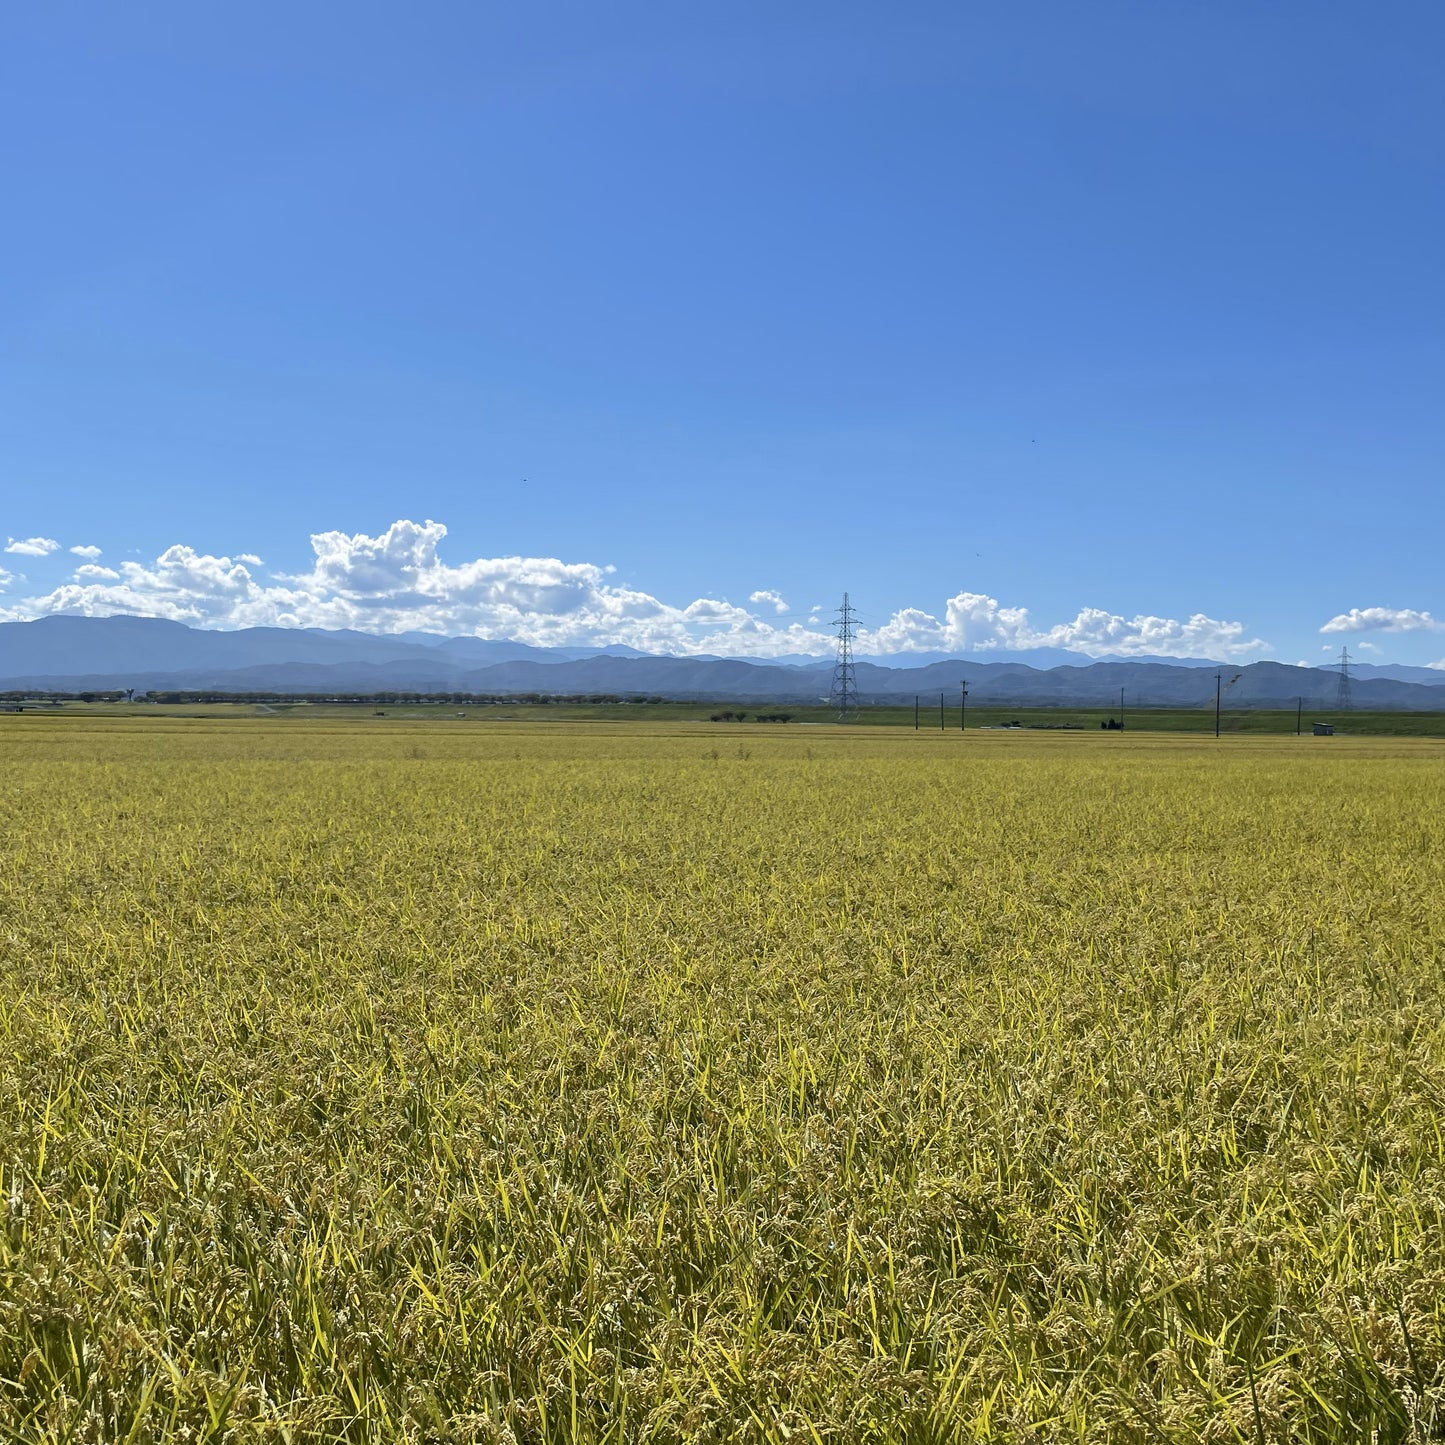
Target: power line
(844, 696)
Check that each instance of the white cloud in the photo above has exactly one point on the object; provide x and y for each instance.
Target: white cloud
(32, 546)
(1383, 619)
(6, 578)
(1439, 665)
(976, 623)
(399, 581)
(1368, 646)
(708, 612)
(768, 598)
(181, 584)
(89, 552)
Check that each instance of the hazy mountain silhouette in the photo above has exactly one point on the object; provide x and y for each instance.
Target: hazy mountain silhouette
(101, 653)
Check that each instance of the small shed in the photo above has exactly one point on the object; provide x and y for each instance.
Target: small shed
(1324, 730)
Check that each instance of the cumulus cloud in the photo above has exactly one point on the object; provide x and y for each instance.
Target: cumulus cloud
(32, 546)
(88, 551)
(6, 578)
(399, 580)
(181, 584)
(974, 622)
(1383, 619)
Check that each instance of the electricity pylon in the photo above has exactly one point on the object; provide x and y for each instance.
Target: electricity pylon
(844, 697)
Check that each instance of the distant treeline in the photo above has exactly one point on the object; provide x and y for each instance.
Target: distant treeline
(439, 699)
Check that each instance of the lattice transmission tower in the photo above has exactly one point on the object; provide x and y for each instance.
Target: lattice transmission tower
(844, 697)
(1344, 700)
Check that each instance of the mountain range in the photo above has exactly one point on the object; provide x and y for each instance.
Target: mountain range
(74, 654)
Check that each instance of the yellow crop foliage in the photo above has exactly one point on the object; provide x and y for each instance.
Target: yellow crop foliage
(466, 1080)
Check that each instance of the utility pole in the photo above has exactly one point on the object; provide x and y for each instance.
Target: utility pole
(1218, 677)
(962, 707)
(1299, 715)
(915, 712)
(942, 721)
(1121, 709)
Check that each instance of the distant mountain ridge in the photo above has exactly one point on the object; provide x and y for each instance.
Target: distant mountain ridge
(72, 654)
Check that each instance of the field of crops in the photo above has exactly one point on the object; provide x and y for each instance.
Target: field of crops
(482, 1081)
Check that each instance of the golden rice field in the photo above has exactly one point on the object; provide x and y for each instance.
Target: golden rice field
(473, 1081)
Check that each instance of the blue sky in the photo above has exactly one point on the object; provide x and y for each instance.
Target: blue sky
(1026, 323)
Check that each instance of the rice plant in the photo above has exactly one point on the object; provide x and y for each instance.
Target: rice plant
(476, 1081)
